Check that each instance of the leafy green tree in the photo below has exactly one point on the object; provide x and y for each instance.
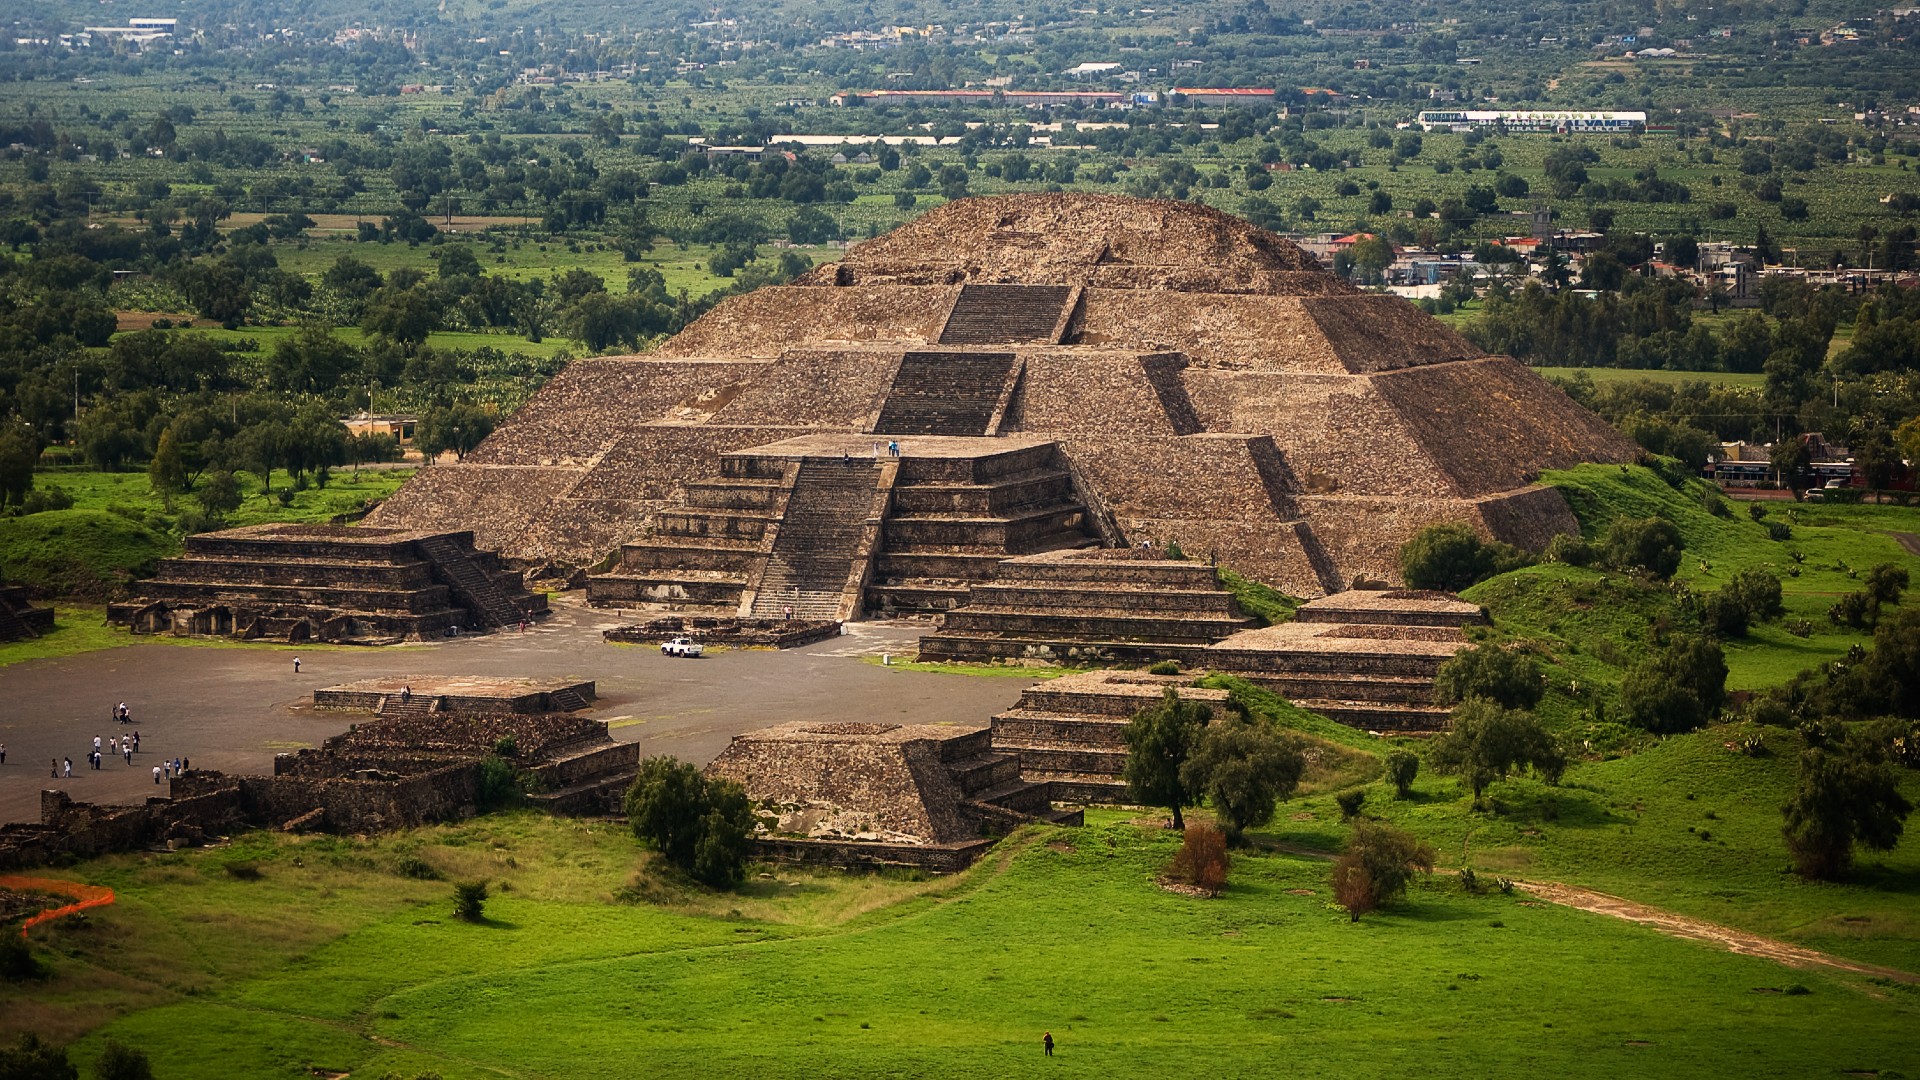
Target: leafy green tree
(1244, 770)
(19, 454)
(1487, 742)
(1160, 739)
(1377, 866)
(118, 1061)
(1679, 686)
(312, 361)
(1452, 557)
(32, 1059)
(458, 427)
(219, 493)
(1847, 796)
(167, 472)
(470, 901)
(1402, 767)
(600, 320)
(404, 316)
(1505, 677)
(698, 824)
(1650, 544)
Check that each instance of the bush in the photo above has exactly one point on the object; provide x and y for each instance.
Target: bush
(31, 1059)
(1202, 860)
(500, 785)
(120, 1062)
(1571, 549)
(1715, 503)
(699, 825)
(17, 962)
(1453, 557)
(1847, 795)
(1350, 803)
(1651, 545)
(1679, 687)
(1779, 530)
(1376, 867)
(1489, 672)
(1758, 592)
(470, 901)
(1165, 667)
(1402, 767)
(1486, 742)
(1725, 615)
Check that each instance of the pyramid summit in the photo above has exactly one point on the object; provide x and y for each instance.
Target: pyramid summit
(1008, 376)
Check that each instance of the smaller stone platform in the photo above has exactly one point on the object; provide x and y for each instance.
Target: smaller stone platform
(851, 793)
(738, 633)
(19, 618)
(389, 695)
(1070, 732)
(1089, 606)
(1364, 658)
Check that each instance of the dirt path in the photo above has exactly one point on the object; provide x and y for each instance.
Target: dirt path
(1680, 926)
(1908, 541)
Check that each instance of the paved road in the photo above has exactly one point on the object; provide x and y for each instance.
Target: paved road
(232, 709)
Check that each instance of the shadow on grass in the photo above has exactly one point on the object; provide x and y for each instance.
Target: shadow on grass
(486, 922)
(1557, 806)
(1880, 877)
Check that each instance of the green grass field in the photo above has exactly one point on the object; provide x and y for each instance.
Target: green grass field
(1607, 375)
(331, 961)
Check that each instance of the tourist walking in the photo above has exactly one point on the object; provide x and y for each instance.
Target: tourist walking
(3, 753)
(893, 447)
(66, 768)
(96, 744)
(156, 774)
(296, 665)
(136, 742)
(1047, 1041)
(53, 769)
(126, 751)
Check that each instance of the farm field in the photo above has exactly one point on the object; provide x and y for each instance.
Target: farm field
(328, 959)
(1607, 375)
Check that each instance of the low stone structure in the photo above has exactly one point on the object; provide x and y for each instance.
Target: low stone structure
(921, 794)
(738, 633)
(328, 583)
(392, 773)
(19, 618)
(1093, 606)
(1070, 732)
(392, 695)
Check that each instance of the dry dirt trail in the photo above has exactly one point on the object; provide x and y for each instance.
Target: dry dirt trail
(1680, 926)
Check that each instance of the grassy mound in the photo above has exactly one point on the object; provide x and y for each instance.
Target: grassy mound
(1263, 602)
(79, 553)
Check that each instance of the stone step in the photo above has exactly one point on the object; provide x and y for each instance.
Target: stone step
(944, 394)
(1375, 716)
(691, 522)
(665, 590)
(884, 600)
(1048, 487)
(985, 772)
(1052, 650)
(593, 796)
(1399, 689)
(1021, 726)
(1027, 596)
(1005, 314)
(976, 619)
(1086, 761)
(435, 599)
(667, 553)
(1082, 788)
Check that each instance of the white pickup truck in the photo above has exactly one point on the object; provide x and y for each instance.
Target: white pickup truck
(682, 646)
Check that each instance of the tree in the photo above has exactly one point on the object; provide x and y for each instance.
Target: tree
(1650, 544)
(1160, 739)
(698, 824)
(1487, 742)
(470, 901)
(1847, 795)
(1402, 767)
(167, 472)
(312, 361)
(31, 1059)
(1243, 769)
(1453, 557)
(1791, 460)
(219, 493)
(1376, 867)
(19, 453)
(1503, 676)
(405, 316)
(1678, 687)
(1202, 860)
(459, 427)
(118, 1061)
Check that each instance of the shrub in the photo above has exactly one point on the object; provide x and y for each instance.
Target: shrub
(1571, 549)
(1725, 615)
(470, 900)
(121, 1062)
(1758, 592)
(698, 824)
(1779, 530)
(1489, 672)
(17, 962)
(1715, 503)
(1376, 867)
(1244, 769)
(1678, 687)
(1402, 767)
(499, 785)
(1847, 795)
(32, 1058)
(1849, 610)
(1486, 742)
(1165, 667)
(1757, 511)
(1350, 803)
(1651, 545)
(1202, 860)
(1453, 557)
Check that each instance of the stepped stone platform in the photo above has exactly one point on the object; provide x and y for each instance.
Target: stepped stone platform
(738, 633)
(1198, 379)
(426, 694)
(1070, 732)
(1366, 659)
(1093, 606)
(328, 583)
(830, 527)
(926, 795)
(19, 618)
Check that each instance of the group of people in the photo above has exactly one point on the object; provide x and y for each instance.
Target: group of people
(120, 746)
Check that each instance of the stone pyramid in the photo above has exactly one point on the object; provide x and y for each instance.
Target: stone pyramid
(1194, 378)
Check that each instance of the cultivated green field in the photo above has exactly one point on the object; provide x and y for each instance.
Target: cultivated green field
(1607, 375)
(331, 961)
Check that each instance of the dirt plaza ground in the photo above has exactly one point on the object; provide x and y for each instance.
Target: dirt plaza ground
(233, 709)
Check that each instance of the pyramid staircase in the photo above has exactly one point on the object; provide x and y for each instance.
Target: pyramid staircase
(1007, 315)
(416, 706)
(1070, 732)
(818, 541)
(993, 788)
(473, 587)
(567, 699)
(590, 777)
(945, 393)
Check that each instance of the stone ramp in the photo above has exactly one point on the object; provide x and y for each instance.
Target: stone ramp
(941, 393)
(1006, 315)
(818, 540)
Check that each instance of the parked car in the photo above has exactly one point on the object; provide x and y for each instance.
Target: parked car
(682, 646)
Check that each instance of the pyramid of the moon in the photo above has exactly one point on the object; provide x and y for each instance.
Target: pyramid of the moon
(1056, 370)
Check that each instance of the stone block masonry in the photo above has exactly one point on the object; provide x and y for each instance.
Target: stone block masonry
(1199, 380)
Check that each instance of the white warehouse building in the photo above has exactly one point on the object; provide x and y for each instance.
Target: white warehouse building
(1521, 120)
